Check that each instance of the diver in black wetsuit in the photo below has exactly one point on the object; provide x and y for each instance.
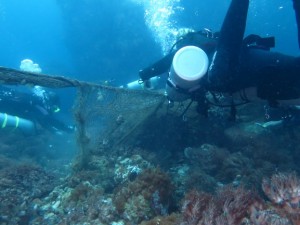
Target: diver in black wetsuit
(24, 109)
(237, 64)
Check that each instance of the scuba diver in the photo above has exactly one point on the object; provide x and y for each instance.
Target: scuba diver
(227, 64)
(27, 110)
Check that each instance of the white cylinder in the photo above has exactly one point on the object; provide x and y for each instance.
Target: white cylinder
(189, 65)
(134, 85)
(152, 83)
(9, 121)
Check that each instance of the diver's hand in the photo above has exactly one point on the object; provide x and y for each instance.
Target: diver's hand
(270, 124)
(147, 73)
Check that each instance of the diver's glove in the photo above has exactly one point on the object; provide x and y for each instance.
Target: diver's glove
(274, 113)
(273, 117)
(292, 116)
(147, 73)
(283, 115)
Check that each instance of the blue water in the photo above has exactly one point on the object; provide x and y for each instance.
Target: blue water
(111, 40)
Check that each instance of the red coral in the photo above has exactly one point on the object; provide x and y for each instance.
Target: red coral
(283, 189)
(236, 203)
(267, 217)
(284, 192)
(193, 206)
(229, 206)
(234, 206)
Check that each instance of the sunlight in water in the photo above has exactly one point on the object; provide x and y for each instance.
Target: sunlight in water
(158, 17)
(2, 12)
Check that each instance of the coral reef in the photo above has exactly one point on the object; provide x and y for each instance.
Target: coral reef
(209, 157)
(172, 219)
(229, 206)
(128, 168)
(20, 185)
(283, 190)
(223, 174)
(150, 194)
(149, 197)
(238, 206)
(76, 201)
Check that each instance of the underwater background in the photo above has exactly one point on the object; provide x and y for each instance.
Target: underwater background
(172, 171)
(101, 40)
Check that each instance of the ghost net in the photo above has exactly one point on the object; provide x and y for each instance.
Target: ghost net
(106, 118)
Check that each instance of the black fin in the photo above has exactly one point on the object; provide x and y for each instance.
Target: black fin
(297, 12)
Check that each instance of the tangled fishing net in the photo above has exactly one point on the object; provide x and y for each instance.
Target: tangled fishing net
(106, 117)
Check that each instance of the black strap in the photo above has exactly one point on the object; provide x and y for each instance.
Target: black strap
(186, 109)
(254, 40)
(245, 100)
(297, 12)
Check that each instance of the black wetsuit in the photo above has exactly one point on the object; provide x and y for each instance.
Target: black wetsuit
(296, 4)
(237, 63)
(27, 105)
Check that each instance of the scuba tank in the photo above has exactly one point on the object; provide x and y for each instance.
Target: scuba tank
(152, 83)
(189, 65)
(204, 39)
(15, 122)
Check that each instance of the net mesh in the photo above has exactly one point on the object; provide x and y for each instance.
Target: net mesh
(106, 117)
(109, 118)
(16, 77)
